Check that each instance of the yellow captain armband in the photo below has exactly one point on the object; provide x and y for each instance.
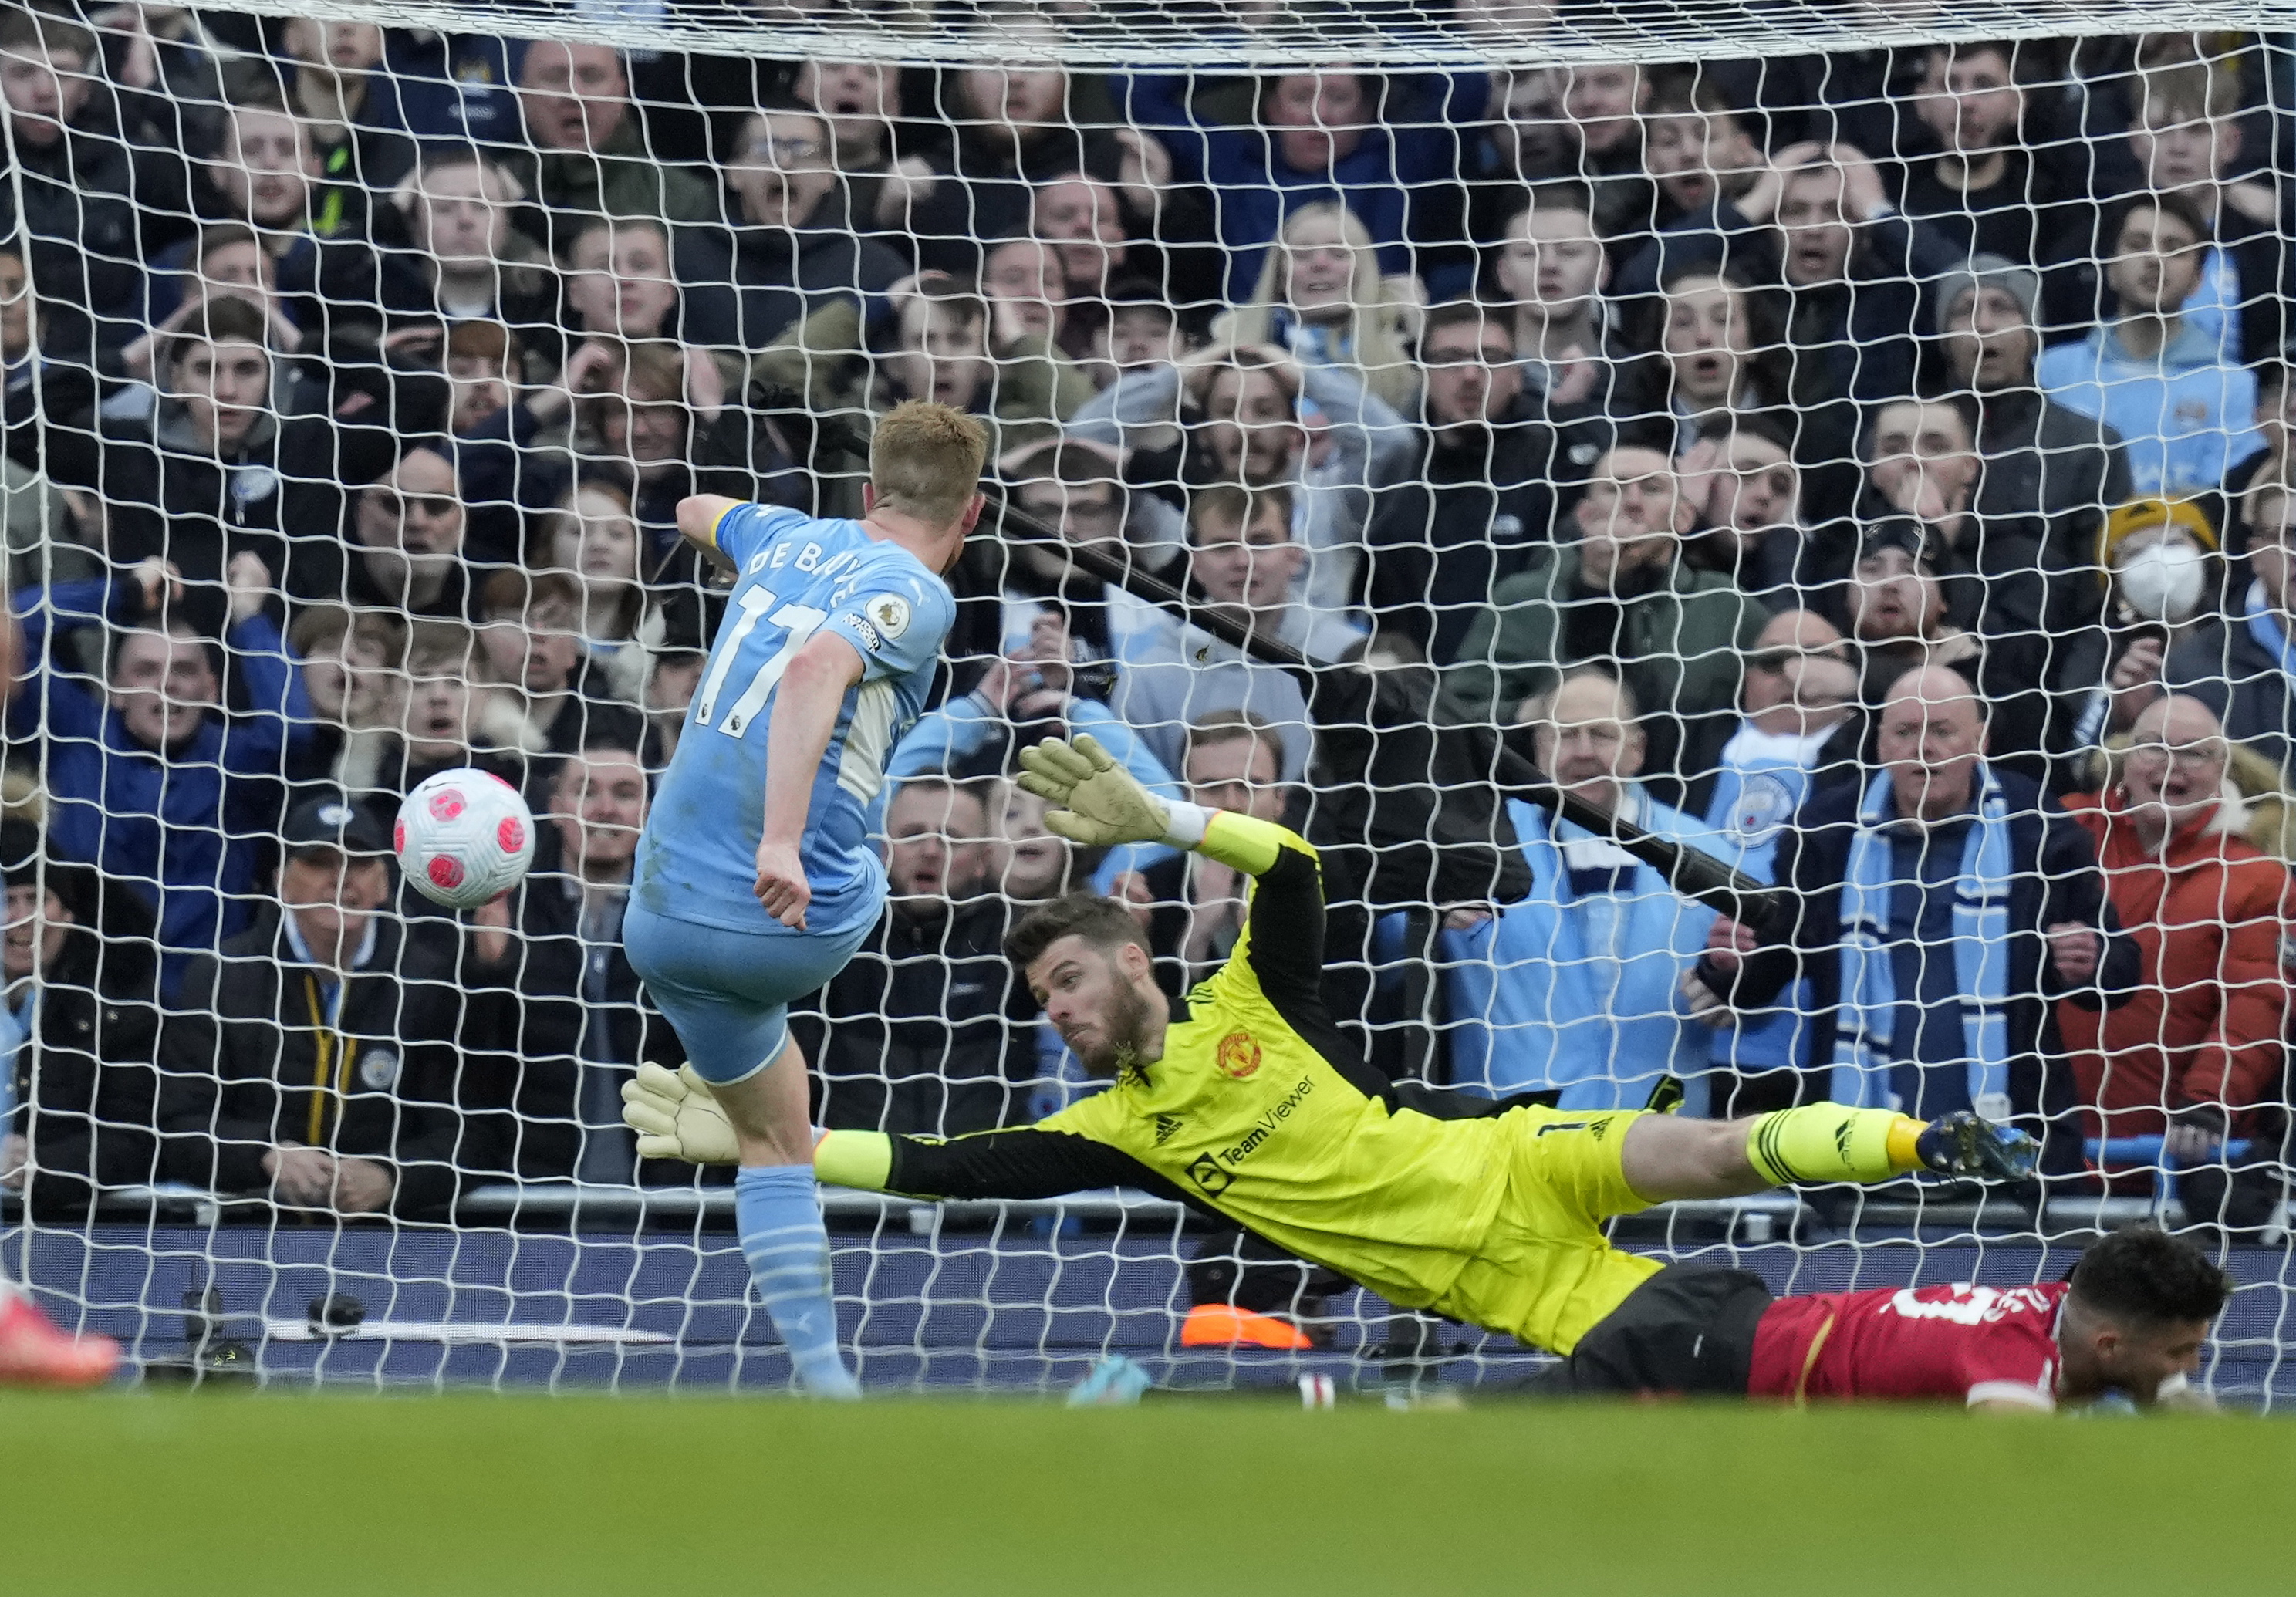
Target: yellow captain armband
(718, 521)
(860, 1160)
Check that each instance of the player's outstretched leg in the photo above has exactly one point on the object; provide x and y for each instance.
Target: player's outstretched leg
(778, 1209)
(1665, 1157)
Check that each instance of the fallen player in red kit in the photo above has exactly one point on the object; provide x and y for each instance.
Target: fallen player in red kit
(2130, 1319)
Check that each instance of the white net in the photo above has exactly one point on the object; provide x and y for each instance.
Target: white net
(1675, 400)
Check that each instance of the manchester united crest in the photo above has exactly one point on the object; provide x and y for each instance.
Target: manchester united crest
(1238, 1056)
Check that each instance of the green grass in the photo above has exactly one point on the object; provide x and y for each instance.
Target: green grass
(183, 1494)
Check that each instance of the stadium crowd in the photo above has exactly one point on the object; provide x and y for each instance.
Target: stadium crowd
(1873, 468)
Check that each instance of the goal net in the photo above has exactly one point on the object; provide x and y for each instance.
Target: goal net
(1849, 440)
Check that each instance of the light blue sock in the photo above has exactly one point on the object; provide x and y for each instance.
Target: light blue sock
(788, 1250)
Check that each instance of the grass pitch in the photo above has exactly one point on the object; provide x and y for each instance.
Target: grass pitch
(421, 1496)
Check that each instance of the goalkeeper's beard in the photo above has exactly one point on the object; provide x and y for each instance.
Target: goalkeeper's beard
(1122, 1028)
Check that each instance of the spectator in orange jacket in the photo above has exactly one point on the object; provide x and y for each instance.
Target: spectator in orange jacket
(2197, 1050)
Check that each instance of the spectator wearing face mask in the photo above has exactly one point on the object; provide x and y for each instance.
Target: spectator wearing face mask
(2163, 577)
(2239, 662)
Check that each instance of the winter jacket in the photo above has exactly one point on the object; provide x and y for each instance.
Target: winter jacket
(567, 188)
(1459, 522)
(529, 1009)
(2222, 664)
(927, 1031)
(1679, 646)
(781, 275)
(86, 1091)
(92, 208)
(253, 1056)
(2053, 878)
(1573, 988)
(2041, 457)
(1370, 446)
(279, 492)
(183, 828)
(2203, 1031)
(1400, 178)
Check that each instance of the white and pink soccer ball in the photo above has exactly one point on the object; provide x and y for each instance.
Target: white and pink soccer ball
(463, 838)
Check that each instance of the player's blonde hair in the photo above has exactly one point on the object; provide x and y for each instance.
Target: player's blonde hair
(925, 460)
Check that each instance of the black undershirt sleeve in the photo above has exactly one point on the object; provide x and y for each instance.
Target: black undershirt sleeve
(1021, 1163)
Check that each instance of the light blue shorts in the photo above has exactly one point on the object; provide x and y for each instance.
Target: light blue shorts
(728, 993)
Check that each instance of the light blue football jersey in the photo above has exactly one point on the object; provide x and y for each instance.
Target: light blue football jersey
(800, 576)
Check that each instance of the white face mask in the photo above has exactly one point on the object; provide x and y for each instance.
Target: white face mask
(2164, 582)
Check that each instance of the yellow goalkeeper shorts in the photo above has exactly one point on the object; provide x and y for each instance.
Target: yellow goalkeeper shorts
(1545, 1273)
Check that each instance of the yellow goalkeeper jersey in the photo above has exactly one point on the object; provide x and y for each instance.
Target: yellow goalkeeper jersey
(1260, 1110)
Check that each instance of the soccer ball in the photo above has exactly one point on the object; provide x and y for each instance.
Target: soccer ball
(463, 838)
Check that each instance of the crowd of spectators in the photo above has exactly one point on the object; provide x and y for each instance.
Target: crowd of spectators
(1873, 468)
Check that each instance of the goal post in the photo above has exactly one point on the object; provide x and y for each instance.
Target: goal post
(1655, 399)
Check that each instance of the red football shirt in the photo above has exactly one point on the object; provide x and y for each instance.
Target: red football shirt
(1968, 1344)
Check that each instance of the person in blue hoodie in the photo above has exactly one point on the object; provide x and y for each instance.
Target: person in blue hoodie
(148, 778)
(2185, 410)
(1574, 988)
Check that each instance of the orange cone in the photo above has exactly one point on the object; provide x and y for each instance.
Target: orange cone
(1224, 1325)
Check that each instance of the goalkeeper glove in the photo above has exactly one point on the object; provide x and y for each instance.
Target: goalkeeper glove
(676, 1118)
(1099, 803)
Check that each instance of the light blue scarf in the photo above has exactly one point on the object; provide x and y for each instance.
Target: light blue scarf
(1864, 1058)
(2265, 627)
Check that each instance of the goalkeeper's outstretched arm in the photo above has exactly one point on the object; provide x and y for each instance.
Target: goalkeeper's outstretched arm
(676, 1117)
(1099, 805)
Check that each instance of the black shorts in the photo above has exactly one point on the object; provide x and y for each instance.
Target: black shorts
(1688, 1329)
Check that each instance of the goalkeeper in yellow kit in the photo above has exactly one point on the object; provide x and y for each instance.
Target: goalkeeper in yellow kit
(1243, 1098)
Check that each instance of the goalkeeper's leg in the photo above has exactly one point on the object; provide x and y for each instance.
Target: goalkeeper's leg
(1668, 1158)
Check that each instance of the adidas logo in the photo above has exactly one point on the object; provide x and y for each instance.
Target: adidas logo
(1167, 1127)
